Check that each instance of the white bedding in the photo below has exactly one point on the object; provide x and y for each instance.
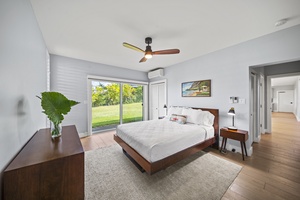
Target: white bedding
(157, 139)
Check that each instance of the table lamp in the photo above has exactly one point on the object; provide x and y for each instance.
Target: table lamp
(232, 112)
(165, 106)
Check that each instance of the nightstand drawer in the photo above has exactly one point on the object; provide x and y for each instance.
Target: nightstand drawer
(239, 135)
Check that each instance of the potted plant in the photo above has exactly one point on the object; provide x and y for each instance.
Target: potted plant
(56, 105)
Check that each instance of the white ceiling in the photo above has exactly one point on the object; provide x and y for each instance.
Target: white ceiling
(284, 81)
(94, 30)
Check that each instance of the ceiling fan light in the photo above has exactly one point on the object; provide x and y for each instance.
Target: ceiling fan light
(148, 55)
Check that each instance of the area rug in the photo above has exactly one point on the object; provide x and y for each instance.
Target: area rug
(110, 175)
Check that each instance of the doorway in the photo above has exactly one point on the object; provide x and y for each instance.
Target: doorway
(158, 99)
(253, 108)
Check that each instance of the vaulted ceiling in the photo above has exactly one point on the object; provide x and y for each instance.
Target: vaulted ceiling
(94, 30)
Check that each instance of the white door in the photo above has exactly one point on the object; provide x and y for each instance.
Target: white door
(158, 100)
(154, 102)
(286, 101)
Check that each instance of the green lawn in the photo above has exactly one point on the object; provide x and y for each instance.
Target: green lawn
(109, 115)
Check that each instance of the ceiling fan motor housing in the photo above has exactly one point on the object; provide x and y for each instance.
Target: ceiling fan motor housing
(148, 40)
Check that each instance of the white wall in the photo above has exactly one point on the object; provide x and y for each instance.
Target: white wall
(69, 76)
(23, 61)
(228, 70)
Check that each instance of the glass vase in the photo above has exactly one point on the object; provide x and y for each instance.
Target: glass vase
(55, 130)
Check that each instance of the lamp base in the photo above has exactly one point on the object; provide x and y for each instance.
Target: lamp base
(232, 128)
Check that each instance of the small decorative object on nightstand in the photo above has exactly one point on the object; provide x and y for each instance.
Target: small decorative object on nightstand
(232, 112)
(239, 135)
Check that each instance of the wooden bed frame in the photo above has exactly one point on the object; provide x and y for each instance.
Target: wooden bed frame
(154, 167)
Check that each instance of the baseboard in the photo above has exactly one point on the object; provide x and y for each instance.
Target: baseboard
(81, 135)
(257, 139)
(238, 149)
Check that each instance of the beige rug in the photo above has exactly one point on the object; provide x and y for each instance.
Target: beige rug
(110, 175)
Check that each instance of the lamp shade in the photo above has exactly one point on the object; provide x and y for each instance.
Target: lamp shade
(231, 111)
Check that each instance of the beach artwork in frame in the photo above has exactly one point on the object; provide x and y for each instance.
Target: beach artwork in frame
(196, 89)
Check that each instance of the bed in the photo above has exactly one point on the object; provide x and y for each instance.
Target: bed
(157, 144)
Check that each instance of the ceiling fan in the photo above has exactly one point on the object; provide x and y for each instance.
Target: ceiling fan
(148, 52)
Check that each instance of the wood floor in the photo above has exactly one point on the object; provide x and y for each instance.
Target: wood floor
(273, 170)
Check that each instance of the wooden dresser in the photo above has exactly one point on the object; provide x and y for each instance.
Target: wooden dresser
(46, 168)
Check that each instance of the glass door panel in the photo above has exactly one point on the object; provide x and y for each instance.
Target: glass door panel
(132, 103)
(105, 105)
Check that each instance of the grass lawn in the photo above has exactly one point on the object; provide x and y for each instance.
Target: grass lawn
(109, 115)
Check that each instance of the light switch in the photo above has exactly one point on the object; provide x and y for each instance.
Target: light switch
(242, 101)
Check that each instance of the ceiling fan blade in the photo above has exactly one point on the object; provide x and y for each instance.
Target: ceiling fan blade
(167, 51)
(130, 46)
(143, 59)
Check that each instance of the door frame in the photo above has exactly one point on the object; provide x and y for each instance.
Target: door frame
(254, 108)
(164, 81)
(110, 79)
(269, 98)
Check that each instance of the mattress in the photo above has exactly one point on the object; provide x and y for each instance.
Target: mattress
(157, 139)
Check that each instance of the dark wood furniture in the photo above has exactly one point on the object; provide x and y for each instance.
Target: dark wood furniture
(46, 168)
(239, 135)
(154, 167)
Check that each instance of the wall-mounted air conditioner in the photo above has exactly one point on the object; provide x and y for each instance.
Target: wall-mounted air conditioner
(156, 73)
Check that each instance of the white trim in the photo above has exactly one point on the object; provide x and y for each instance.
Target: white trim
(93, 77)
(82, 135)
(257, 139)
(253, 114)
(89, 106)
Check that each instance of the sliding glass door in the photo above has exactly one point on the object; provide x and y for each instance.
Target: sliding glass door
(132, 103)
(105, 105)
(115, 103)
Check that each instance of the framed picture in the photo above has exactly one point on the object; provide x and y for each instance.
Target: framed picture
(196, 89)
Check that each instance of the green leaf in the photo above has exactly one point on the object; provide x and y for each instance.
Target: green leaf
(56, 105)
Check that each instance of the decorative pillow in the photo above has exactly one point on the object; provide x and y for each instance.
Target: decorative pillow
(181, 119)
(173, 118)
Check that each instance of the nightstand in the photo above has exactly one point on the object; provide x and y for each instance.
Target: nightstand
(239, 135)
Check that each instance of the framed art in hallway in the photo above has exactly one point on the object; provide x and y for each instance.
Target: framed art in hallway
(196, 88)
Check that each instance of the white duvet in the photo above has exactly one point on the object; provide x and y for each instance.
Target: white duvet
(157, 139)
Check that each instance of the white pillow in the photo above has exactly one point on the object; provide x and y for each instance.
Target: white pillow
(208, 118)
(196, 116)
(201, 118)
(188, 112)
(174, 110)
